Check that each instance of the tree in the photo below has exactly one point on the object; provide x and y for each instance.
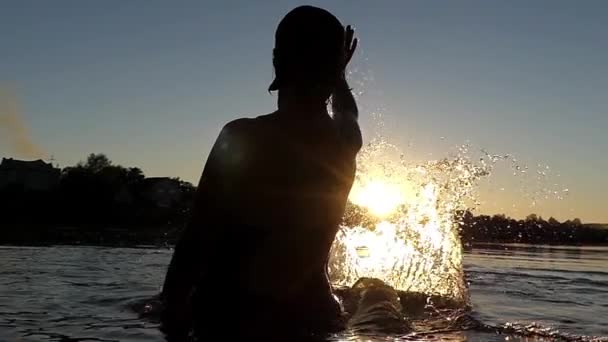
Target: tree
(96, 162)
(532, 218)
(134, 175)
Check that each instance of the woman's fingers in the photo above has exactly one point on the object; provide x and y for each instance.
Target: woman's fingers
(353, 48)
(350, 44)
(348, 36)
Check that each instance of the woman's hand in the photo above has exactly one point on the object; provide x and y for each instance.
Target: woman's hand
(350, 45)
(344, 106)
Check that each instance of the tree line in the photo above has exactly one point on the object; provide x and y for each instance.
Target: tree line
(531, 230)
(92, 200)
(98, 202)
(503, 229)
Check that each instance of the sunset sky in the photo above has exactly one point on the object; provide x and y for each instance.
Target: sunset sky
(150, 83)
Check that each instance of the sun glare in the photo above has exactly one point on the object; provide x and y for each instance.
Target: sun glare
(414, 243)
(382, 199)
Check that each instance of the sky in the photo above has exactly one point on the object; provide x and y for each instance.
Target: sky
(150, 83)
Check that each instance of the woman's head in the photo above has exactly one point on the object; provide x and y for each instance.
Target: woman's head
(309, 48)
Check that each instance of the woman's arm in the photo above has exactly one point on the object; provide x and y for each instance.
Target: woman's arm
(189, 260)
(344, 107)
(186, 265)
(346, 114)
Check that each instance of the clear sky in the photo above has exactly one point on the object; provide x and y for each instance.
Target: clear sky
(150, 83)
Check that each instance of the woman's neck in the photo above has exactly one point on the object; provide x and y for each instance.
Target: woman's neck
(297, 101)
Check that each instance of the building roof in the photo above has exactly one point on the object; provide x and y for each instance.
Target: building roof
(10, 163)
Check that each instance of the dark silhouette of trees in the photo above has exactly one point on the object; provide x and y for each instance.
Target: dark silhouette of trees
(94, 196)
(96, 162)
(90, 191)
(532, 230)
(97, 202)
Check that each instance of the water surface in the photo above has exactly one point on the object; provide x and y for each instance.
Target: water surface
(67, 293)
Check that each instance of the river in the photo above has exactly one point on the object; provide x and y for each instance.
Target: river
(69, 293)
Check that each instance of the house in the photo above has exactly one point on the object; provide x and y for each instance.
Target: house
(162, 192)
(33, 175)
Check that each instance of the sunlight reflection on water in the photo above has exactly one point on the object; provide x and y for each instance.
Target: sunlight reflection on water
(50, 293)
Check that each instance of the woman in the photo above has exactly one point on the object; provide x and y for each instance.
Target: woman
(272, 195)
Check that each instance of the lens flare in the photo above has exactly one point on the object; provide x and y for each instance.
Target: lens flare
(411, 240)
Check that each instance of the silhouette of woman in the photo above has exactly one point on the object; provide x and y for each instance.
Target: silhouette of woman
(271, 197)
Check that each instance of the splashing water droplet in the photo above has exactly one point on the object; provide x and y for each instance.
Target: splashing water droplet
(405, 230)
(401, 223)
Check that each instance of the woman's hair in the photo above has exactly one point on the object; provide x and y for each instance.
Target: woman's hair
(309, 43)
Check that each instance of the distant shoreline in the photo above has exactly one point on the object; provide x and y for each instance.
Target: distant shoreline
(98, 203)
(167, 236)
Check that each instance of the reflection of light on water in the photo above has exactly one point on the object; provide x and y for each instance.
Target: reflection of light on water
(412, 242)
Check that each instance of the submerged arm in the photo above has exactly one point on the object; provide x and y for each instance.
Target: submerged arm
(185, 267)
(190, 260)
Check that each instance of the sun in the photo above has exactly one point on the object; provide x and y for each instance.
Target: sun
(409, 235)
(381, 198)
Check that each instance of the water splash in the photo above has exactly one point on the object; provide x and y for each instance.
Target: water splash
(401, 225)
(401, 222)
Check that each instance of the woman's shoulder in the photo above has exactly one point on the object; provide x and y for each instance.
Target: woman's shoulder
(250, 122)
(237, 125)
(247, 131)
